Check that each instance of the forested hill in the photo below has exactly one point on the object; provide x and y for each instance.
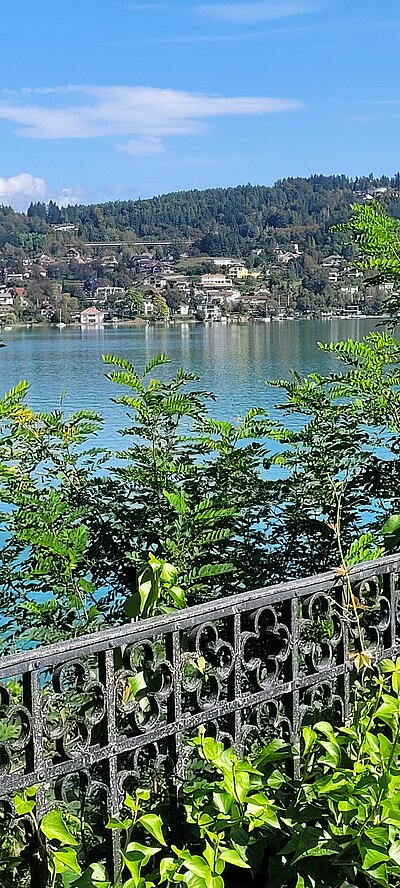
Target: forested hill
(219, 220)
(214, 221)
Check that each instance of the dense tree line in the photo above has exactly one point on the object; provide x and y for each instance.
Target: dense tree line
(217, 220)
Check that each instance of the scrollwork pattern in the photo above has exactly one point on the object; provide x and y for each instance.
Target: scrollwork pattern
(143, 687)
(206, 667)
(265, 648)
(72, 707)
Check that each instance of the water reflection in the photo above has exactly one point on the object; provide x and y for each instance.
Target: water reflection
(233, 360)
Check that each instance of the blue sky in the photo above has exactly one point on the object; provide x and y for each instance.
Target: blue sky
(114, 99)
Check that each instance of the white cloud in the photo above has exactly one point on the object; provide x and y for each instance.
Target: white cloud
(240, 13)
(15, 189)
(18, 191)
(142, 147)
(69, 196)
(144, 113)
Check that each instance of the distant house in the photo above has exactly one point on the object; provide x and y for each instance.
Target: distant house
(6, 298)
(208, 312)
(286, 256)
(104, 293)
(92, 317)
(14, 276)
(109, 262)
(44, 259)
(229, 294)
(334, 261)
(148, 307)
(47, 310)
(349, 290)
(65, 226)
(381, 190)
(224, 262)
(215, 280)
(256, 303)
(73, 255)
(387, 286)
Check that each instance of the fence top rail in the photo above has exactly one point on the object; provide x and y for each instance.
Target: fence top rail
(128, 633)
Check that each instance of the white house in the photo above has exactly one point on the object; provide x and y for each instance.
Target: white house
(215, 280)
(92, 317)
(103, 293)
(334, 261)
(65, 226)
(6, 298)
(221, 262)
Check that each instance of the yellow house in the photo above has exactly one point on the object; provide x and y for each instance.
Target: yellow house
(239, 272)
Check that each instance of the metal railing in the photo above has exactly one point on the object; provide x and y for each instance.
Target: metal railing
(89, 717)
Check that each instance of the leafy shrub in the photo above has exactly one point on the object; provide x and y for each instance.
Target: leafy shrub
(336, 823)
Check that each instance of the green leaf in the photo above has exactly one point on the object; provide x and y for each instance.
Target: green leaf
(394, 852)
(387, 666)
(23, 806)
(95, 876)
(215, 570)
(66, 859)
(53, 827)
(116, 823)
(392, 525)
(169, 573)
(153, 824)
(198, 866)
(373, 858)
(231, 856)
(309, 737)
(167, 867)
(145, 850)
(132, 606)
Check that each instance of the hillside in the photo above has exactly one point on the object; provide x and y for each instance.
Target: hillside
(215, 221)
(288, 258)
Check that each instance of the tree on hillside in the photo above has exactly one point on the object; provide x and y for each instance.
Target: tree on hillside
(161, 310)
(135, 298)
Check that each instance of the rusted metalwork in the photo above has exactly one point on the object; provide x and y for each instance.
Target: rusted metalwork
(91, 717)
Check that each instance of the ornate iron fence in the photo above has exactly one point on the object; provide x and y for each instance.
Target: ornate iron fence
(87, 718)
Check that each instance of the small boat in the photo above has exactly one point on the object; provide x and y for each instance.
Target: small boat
(60, 323)
(7, 328)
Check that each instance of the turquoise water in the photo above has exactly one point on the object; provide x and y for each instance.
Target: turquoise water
(234, 361)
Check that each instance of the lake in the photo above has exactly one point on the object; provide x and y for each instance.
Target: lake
(234, 361)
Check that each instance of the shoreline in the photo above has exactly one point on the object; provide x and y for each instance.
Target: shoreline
(142, 323)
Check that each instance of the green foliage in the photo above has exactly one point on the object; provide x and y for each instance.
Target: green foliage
(376, 236)
(158, 590)
(90, 536)
(335, 823)
(43, 568)
(391, 533)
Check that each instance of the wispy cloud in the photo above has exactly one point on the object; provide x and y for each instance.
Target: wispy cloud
(68, 196)
(142, 147)
(146, 114)
(240, 13)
